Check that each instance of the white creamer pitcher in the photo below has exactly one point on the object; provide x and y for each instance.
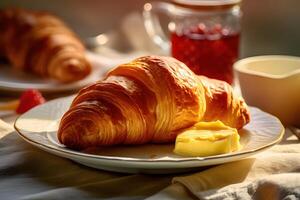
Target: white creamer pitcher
(272, 83)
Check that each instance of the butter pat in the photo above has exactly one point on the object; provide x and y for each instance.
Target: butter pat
(207, 139)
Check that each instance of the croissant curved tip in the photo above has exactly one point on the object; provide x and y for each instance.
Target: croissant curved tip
(245, 113)
(78, 134)
(72, 70)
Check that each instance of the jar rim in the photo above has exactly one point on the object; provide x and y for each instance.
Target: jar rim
(207, 2)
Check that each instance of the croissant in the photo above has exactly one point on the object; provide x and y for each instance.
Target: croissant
(147, 101)
(40, 43)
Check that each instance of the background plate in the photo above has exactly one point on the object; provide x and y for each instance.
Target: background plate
(12, 80)
(39, 126)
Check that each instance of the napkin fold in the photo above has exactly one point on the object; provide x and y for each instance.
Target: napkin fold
(5, 129)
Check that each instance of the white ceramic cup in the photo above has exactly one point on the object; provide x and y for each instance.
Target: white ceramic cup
(272, 83)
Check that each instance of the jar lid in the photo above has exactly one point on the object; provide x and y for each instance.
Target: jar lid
(207, 2)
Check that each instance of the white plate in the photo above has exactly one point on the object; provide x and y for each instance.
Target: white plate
(12, 80)
(39, 127)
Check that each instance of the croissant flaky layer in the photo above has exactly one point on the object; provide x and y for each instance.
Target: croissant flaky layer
(147, 100)
(40, 43)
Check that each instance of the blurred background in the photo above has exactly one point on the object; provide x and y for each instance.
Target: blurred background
(269, 26)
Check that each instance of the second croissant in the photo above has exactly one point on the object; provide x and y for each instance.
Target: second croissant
(40, 43)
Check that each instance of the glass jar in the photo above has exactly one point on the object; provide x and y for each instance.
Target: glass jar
(204, 34)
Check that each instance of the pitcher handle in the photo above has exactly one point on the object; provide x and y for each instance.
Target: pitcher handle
(152, 23)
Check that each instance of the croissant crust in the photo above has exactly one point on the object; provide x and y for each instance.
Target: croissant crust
(147, 101)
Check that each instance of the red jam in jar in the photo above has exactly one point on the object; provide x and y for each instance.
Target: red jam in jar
(207, 51)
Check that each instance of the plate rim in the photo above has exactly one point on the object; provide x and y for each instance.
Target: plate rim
(144, 160)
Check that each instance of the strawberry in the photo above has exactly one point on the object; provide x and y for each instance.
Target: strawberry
(29, 99)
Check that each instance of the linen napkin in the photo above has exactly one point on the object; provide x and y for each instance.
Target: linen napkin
(29, 173)
(274, 174)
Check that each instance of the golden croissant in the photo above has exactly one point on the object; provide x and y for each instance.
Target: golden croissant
(147, 101)
(40, 43)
